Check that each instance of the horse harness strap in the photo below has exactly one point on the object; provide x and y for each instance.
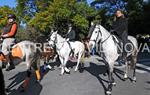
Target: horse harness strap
(106, 39)
(69, 45)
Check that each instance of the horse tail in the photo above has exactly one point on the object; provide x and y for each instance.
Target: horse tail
(83, 56)
(134, 59)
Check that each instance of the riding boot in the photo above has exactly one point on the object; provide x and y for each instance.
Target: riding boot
(71, 52)
(10, 62)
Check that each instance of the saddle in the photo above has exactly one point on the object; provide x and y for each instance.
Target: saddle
(119, 43)
(15, 52)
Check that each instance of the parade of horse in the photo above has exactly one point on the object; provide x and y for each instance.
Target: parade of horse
(71, 55)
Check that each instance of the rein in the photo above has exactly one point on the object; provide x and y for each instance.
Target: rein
(101, 35)
(55, 41)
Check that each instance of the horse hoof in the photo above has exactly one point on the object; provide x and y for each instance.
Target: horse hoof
(75, 70)
(125, 77)
(61, 74)
(114, 83)
(22, 89)
(7, 90)
(67, 72)
(52, 69)
(108, 92)
(133, 81)
(49, 67)
(37, 81)
(81, 70)
(105, 74)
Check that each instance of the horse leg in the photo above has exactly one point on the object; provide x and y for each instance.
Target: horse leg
(133, 67)
(26, 81)
(110, 78)
(109, 88)
(82, 60)
(78, 62)
(45, 63)
(62, 65)
(37, 69)
(66, 69)
(126, 70)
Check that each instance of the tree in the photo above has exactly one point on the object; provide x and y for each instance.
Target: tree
(4, 11)
(56, 14)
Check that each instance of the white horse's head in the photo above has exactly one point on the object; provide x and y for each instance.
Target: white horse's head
(95, 37)
(52, 39)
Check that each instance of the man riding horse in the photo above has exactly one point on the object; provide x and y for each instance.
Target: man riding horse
(120, 27)
(8, 36)
(71, 36)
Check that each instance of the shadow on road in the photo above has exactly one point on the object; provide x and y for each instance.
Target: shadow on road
(148, 82)
(143, 69)
(34, 87)
(17, 79)
(97, 70)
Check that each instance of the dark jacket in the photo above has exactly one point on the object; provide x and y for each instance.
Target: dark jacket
(120, 25)
(71, 35)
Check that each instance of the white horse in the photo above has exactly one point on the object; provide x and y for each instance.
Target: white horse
(25, 51)
(63, 50)
(109, 47)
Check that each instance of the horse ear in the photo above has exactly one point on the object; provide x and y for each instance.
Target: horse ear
(52, 30)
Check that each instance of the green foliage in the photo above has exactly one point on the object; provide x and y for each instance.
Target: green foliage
(56, 14)
(4, 11)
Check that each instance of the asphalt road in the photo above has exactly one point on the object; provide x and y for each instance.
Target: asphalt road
(90, 82)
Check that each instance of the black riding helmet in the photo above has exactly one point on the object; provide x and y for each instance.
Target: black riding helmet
(11, 16)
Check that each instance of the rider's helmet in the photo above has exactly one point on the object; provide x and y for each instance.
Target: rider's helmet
(11, 16)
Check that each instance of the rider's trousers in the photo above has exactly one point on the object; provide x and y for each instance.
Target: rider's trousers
(6, 45)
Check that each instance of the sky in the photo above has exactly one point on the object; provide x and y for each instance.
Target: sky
(10, 3)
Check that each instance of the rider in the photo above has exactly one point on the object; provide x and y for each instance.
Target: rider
(71, 37)
(8, 35)
(120, 27)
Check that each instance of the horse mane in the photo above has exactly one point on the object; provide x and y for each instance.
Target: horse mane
(101, 27)
(61, 38)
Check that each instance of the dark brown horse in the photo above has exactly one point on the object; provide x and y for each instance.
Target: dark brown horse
(47, 52)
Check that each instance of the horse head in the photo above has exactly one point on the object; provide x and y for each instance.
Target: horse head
(52, 39)
(95, 37)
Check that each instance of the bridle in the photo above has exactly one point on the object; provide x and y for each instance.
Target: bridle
(55, 41)
(100, 33)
